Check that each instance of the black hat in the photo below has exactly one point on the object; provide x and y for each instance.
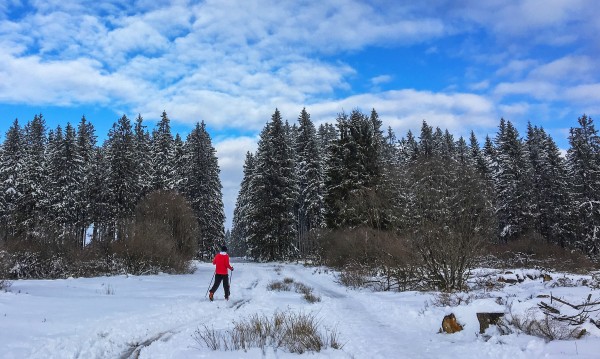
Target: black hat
(223, 248)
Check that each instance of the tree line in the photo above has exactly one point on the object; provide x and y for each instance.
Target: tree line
(433, 189)
(60, 185)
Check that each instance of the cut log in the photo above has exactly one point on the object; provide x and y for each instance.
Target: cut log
(485, 319)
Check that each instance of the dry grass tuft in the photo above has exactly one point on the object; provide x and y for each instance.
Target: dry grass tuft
(288, 283)
(292, 332)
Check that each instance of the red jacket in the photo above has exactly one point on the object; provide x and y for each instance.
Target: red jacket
(222, 262)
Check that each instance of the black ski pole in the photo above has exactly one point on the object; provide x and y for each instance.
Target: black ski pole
(209, 284)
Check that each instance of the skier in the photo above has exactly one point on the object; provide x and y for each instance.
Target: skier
(221, 274)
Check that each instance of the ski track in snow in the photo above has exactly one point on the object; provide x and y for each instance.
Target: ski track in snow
(156, 317)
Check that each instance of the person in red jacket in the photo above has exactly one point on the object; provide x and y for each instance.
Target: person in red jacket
(221, 274)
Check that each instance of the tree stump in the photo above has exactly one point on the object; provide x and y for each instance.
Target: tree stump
(485, 319)
(450, 325)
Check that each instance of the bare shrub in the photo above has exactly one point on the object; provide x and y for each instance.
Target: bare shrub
(545, 327)
(108, 289)
(161, 237)
(448, 217)
(278, 286)
(307, 293)
(532, 251)
(293, 332)
(163, 234)
(211, 338)
(5, 284)
(367, 256)
(48, 259)
(445, 299)
(351, 277)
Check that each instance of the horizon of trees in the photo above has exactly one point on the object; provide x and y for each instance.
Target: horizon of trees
(303, 180)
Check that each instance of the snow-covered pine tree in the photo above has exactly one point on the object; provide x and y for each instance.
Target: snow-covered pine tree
(559, 198)
(35, 176)
(478, 157)
(272, 230)
(374, 146)
(143, 155)
(241, 220)
(353, 172)
(326, 134)
(512, 183)
(12, 164)
(163, 155)
(86, 146)
(180, 164)
(64, 173)
(550, 198)
(583, 163)
(203, 189)
(408, 149)
(389, 187)
(100, 210)
(430, 174)
(310, 181)
(122, 181)
(462, 154)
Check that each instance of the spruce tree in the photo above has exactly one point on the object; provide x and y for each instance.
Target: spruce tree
(86, 147)
(122, 181)
(163, 155)
(478, 157)
(583, 163)
(241, 219)
(353, 172)
(12, 166)
(31, 211)
(203, 189)
(550, 198)
(100, 209)
(65, 174)
(143, 155)
(513, 183)
(272, 229)
(310, 180)
(180, 164)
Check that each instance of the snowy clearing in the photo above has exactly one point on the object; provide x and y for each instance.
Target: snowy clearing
(156, 317)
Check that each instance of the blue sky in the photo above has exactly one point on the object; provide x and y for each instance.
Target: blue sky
(460, 65)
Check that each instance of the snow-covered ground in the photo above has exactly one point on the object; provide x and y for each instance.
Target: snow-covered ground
(156, 317)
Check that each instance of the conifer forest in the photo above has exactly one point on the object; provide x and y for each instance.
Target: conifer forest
(140, 194)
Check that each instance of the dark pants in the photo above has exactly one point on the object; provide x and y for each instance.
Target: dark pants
(218, 279)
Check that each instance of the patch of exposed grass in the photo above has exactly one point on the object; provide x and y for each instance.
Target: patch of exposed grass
(287, 284)
(292, 332)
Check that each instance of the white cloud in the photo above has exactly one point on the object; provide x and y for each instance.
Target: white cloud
(566, 78)
(29, 80)
(553, 22)
(566, 69)
(406, 109)
(381, 79)
(537, 89)
(481, 85)
(584, 94)
(516, 68)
